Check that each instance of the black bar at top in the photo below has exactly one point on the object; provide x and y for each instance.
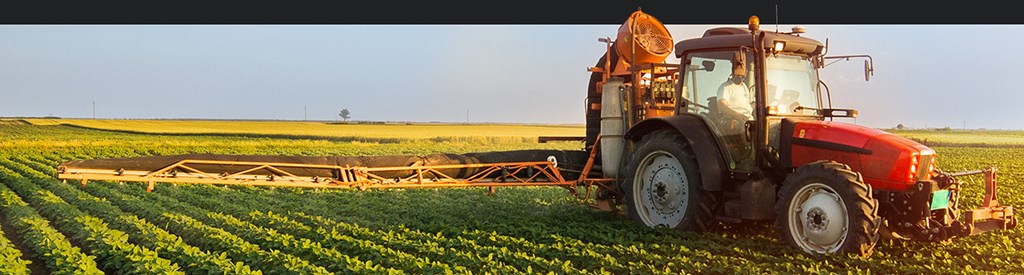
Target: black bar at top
(503, 12)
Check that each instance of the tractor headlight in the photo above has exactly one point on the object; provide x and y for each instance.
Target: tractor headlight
(914, 161)
(921, 165)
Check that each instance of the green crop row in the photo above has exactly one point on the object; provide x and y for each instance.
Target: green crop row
(391, 254)
(270, 238)
(109, 245)
(192, 259)
(303, 247)
(436, 248)
(512, 250)
(56, 252)
(10, 258)
(224, 264)
(493, 247)
(486, 258)
(11, 261)
(306, 247)
(517, 251)
(212, 238)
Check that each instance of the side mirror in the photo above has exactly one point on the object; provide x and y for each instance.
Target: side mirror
(869, 64)
(868, 71)
(708, 65)
(851, 113)
(739, 65)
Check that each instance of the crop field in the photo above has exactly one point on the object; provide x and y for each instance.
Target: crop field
(337, 131)
(54, 227)
(974, 138)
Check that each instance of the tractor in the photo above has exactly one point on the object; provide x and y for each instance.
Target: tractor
(740, 129)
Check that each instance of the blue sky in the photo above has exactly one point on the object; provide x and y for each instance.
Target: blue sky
(926, 75)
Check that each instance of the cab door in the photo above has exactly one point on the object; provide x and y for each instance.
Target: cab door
(719, 86)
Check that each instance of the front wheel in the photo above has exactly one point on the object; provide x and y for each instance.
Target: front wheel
(663, 186)
(824, 207)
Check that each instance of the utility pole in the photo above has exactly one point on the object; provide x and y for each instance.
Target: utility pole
(467, 116)
(305, 113)
(93, 110)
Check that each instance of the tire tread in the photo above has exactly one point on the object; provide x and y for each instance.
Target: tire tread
(862, 209)
(707, 203)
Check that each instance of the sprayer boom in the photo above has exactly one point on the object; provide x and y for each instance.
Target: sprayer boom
(432, 171)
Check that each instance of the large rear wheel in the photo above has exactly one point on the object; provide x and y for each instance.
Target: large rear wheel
(824, 207)
(663, 186)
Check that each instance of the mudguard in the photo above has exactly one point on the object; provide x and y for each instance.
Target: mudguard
(702, 141)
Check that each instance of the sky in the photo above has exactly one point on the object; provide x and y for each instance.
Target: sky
(925, 75)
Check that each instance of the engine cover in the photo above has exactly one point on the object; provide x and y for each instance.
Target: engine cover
(882, 158)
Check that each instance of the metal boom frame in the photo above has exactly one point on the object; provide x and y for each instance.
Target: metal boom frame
(538, 173)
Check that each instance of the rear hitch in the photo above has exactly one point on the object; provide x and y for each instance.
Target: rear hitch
(931, 211)
(991, 215)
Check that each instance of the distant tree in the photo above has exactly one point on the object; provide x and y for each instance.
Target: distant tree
(344, 114)
(900, 126)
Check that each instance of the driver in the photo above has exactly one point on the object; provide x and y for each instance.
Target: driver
(736, 109)
(734, 94)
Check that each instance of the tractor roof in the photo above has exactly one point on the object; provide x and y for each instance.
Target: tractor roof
(731, 37)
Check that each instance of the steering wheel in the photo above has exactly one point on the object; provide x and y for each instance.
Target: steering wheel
(698, 106)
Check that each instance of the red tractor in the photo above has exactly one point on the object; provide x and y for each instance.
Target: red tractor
(741, 129)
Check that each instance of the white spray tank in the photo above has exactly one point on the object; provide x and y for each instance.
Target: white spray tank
(611, 127)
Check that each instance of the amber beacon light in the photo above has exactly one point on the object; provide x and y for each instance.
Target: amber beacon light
(754, 23)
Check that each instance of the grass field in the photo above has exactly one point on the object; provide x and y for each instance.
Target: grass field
(974, 138)
(287, 129)
(440, 131)
(52, 227)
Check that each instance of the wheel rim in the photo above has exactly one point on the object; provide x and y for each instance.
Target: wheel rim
(660, 190)
(818, 218)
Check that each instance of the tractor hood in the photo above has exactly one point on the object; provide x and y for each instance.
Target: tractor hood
(886, 161)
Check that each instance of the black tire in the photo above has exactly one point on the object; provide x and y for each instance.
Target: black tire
(828, 178)
(701, 207)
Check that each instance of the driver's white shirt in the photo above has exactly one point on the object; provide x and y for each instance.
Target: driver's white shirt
(738, 97)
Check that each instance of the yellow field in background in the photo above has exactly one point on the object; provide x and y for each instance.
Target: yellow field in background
(994, 138)
(453, 131)
(298, 128)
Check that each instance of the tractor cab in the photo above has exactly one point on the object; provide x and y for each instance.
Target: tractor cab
(725, 81)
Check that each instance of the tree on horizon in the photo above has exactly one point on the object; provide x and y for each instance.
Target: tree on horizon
(344, 114)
